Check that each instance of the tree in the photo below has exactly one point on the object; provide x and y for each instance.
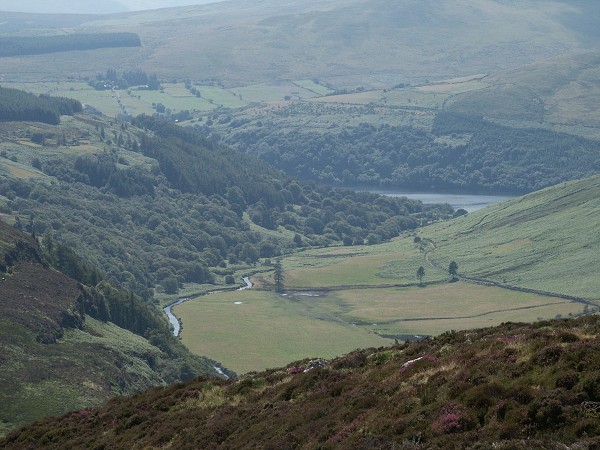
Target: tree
(279, 276)
(420, 274)
(453, 271)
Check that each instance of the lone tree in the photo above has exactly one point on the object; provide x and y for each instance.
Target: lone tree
(279, 276)
(453, 271)
(420, 275)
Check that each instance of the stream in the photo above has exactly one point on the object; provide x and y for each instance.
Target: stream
(175, 321)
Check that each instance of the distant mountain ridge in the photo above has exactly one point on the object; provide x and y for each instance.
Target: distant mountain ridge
(346, 43)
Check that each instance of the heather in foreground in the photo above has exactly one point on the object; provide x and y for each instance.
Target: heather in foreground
(512, 386)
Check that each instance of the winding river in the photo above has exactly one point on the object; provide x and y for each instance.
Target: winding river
(175, 321)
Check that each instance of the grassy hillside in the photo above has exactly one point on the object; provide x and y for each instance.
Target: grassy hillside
(56, 356)
(562, 94)
(348, 43)
(547, 240)
(519, 259)
(511, 387)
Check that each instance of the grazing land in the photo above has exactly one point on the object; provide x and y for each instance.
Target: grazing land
(545, 241)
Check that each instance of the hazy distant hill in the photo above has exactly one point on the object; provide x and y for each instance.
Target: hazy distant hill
(346, 42)
(561, 93)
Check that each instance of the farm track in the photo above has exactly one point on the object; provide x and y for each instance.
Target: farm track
(486, 282)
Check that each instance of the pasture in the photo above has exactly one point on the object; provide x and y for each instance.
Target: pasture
(339, 298)
(256, 329)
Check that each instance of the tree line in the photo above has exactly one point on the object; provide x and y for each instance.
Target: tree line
(17, 105)
(39, 45)
(460, 152)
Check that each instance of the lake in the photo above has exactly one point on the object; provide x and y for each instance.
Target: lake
(469, 202)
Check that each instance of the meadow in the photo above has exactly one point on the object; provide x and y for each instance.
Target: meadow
(340, 297)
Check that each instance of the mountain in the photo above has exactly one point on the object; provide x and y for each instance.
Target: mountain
(515, 386)
(66, 345)
(345, 43)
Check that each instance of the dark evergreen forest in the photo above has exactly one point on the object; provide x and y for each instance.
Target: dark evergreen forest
(39, 45)
(17, 105)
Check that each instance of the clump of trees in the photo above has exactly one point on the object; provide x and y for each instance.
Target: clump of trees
(421, 275)
(453, 271)
(111, 79)
(278, 276)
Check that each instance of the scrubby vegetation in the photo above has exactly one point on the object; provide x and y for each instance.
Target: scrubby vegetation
(514, 386)
(70, 339)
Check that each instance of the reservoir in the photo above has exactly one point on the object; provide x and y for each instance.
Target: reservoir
(469, 202)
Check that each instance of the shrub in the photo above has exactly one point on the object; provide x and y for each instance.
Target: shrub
(547, 356)
(454, 418)
(546, 413)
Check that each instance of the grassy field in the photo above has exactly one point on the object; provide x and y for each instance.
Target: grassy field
(547, 240)
(253, 330)
(341, 297)
(277, 91)
(265, 330)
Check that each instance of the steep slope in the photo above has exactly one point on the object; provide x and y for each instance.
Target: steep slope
(60, 347)
(514, 386)
(547, 240)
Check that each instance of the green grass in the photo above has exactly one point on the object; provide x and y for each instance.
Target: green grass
(547, 240)
(310, 85)
(393, 263)
(253, 330)
(265, 330)
(272, 92)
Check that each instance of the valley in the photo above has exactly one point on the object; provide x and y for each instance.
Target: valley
(326, 224)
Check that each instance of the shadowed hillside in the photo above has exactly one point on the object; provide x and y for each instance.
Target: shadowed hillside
(60, 346)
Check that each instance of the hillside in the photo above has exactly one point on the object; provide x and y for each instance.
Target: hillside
(546, 240)
(153, 205)
(61, 346)
(346, 43)
(514, 386)
(561, 94)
